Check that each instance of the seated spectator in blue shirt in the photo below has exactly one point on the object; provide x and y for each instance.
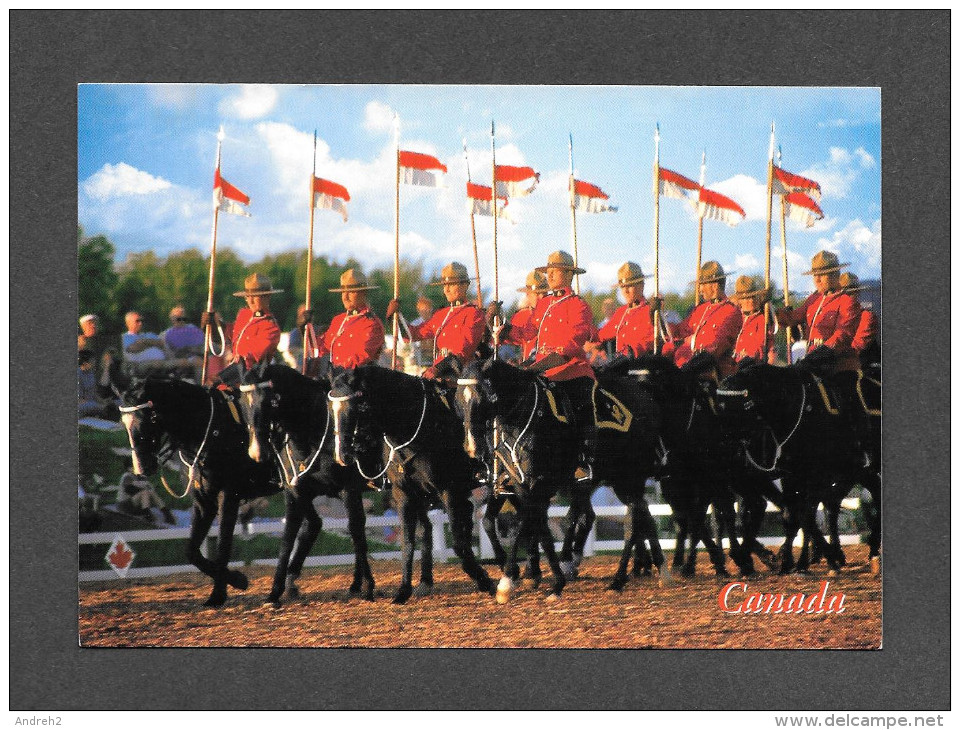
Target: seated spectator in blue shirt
(141, 349)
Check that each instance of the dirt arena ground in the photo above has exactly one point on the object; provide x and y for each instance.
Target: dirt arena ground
(167, 612)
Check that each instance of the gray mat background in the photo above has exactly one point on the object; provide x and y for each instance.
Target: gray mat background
(904, 53)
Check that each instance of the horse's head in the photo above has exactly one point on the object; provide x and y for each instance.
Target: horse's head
(139, 416)
(347, 405)
(475, 403)
(258, 399)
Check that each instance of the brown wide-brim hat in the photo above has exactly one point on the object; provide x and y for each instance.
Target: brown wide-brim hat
(825, 262)
(453, 273)
(630, 274)
(353, 280)
(561, 260)
(748, 287)
(536, 282)
(850, 283)
(256, 285)
(710, 272)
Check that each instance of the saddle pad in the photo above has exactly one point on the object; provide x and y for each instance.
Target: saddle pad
(869, 391)
(831, 408)
(610, 412)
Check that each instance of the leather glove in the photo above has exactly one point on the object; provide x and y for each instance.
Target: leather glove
(656, 304)
(210, 319)
(304, 318)
(392, 308)
(494, 311)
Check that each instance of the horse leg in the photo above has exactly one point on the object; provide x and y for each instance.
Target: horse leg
(739, 552)
(489, 524)
(652, 536)
(531, 570)
(460, 511)
(754, 508)
(510, 571)
(204, 510)
(542, 528)
(631, 532)
(408, 537)
(224, 576)
(873, 483)
(833, 526)
(717, 556)
(363, 583)
(425, 586)
(293, 518)
(306, 538)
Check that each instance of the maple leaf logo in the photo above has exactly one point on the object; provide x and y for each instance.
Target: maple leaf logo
(121, 556)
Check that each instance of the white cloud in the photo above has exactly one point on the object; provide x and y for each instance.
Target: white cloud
(745, 263)
(174, 96)
(378, 117)
(858, 242)
(253, 101)
(112, 181)
(866, 159)
(749, 192)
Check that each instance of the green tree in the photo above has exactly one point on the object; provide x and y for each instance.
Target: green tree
(96, 279)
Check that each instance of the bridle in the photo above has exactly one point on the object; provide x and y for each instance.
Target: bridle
(336, 399)
(161, 456)
(467, 382)
(750, 404)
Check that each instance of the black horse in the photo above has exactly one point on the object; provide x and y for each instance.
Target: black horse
(288, 421)
(789, 424)
(698, 467)
(175, 419)
(404, 428)
(536, 452)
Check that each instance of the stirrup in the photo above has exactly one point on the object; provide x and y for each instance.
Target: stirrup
(584, 473)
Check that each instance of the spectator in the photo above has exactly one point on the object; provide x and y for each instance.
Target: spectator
(423, 351)
(183, 342)
(142, 351)
(93, 341)
(293, 355)
(137, 497)
(89, 401)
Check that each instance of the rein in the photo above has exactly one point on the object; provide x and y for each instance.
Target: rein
(523, 432)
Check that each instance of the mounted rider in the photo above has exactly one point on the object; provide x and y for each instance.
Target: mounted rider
(534, 289)
(457, 329)
(630, 326)
(755, 340)
(831, 317)
(256, 333)
(356, 336)
(711, 327)
(561, 325)
(865, 340)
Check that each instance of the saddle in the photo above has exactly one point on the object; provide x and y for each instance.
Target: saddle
(608, 411)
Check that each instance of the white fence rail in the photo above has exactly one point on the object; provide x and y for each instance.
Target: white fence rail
(438, 519)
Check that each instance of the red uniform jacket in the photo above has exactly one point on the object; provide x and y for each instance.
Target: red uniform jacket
(255, 337)
(562, 323)
(832, 320)
(632, 327)
(750, 340)
(456, 330)
(518, 324)
(353, 339)
(711, 327)
(866, 331)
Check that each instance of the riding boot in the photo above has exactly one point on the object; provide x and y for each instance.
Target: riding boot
(588, 449)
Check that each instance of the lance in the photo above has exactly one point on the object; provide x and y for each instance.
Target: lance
(208, 333)
(573, 218)
(473, 226)
(767, 309)
(396, 241)
(700, 211)
(309, 335)
(786, 279)
(656, 238)
(496, 297)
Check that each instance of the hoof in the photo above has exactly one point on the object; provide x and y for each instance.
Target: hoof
(273, 603)
(553, 597)
(423, 589)
(216, 600)
(533, 581)
(569, 569)
(665, 575)
(238, 580)
(403, 595)
(504, 589)
(875, 565)
(617, 584)
(292, 591)
(688, 571)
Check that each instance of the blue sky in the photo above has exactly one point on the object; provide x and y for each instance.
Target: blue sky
(147, 152)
